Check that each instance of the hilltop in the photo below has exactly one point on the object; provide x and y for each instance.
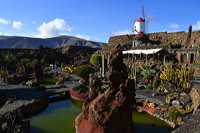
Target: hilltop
(60, 41)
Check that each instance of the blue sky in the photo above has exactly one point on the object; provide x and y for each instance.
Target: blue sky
(94, 19)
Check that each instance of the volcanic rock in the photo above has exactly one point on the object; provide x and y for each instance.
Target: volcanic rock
(109, 111)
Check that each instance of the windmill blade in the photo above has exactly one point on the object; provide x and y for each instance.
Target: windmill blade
(146, 28)
(151, 19)
(143, 12)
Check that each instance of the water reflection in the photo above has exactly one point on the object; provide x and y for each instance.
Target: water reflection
(59, 117)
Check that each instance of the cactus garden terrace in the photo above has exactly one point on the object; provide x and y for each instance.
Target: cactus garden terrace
(167, 81)
(165, 87)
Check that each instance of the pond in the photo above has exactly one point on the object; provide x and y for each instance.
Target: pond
(60, 115)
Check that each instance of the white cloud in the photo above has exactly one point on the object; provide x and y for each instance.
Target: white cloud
(64, 34)
(122, 32)
(11, 34)
(53, 28)
(5, 34)
(33, 22)
(196, 26)
(17, 25)
(176, 26)
(3, 21)
(83, 37)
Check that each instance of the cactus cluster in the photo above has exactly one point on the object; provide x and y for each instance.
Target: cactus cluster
(69, 69)
(187, 109)
(131, 67)
(178, 77)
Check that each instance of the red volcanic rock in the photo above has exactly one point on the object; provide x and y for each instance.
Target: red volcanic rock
(111, 111)
(86, 126)
(117, 73)
(148, 108)
(79, 96)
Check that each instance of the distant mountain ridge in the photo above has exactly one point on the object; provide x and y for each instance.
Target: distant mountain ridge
(60, 41)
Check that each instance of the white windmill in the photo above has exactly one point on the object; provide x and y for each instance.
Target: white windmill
(141, 24)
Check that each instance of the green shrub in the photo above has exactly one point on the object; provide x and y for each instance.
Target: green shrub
(173, 114)
(96, 59)
(84, 71)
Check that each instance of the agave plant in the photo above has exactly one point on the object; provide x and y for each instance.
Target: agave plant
(147, 72)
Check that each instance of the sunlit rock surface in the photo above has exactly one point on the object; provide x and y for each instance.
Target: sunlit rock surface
(111, 111)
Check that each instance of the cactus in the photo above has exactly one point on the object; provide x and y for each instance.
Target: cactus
(103, 65)
(131, 67)
(188, 109)
(177, 77)
(164, 60)
(100, 72)
(155, 84)
(69, 69)
(135, 72)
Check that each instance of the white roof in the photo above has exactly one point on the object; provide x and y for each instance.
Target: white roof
(139, 51)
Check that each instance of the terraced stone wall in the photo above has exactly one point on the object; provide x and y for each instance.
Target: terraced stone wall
(163, 37)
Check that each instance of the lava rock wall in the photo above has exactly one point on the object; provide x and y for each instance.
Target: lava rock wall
(163, 37)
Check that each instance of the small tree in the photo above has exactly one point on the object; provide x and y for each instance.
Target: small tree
(84, 71)
(38, 68)
(8, 60)
(96, 60)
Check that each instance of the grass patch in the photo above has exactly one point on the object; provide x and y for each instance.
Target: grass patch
(49, 81)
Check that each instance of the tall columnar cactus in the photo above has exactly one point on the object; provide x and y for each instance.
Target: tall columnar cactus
(103, 65)
(128, 60)
(164, 61)
(131, 67)
(177, 77)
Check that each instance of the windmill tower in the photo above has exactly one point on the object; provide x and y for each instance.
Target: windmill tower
(141, 24)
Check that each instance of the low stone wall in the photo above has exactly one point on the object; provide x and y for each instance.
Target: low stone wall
(35, 106)
(14, 122)
(123, 39)
(163, 37)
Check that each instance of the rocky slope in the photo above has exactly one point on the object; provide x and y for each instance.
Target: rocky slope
(27, 42)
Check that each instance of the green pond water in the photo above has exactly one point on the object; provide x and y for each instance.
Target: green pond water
(60, 115)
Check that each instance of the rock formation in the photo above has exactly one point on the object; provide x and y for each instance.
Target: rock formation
(109, 111)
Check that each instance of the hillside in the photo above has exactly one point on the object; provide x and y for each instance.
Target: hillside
(27, 42)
